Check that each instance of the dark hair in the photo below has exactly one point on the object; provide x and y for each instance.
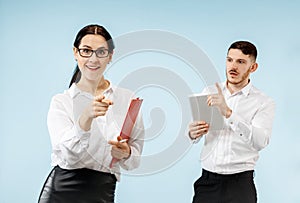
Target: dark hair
(90, 29)
(246, 47)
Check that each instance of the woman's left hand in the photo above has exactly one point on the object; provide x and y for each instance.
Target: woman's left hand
(120, 149)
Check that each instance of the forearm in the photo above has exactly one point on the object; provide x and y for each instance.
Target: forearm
(85, 122)
(133, 161)
(67, 138)
(256, 132)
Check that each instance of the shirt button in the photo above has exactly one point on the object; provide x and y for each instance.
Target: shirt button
(231, 122)
(241, 134)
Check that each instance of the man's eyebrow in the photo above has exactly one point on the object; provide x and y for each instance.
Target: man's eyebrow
(238, 59)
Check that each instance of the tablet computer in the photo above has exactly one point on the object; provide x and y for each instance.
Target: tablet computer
(202, 112)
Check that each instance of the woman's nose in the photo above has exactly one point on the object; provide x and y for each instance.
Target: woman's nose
(93, 57)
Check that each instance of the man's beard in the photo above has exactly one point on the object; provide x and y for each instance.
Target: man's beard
(244, 77)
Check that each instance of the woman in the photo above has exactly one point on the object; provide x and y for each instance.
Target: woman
(84, 123)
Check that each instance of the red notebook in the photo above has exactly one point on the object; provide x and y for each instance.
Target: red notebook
(129, 122)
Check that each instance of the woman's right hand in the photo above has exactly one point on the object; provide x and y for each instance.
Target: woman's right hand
(98, 107)
(198, 129)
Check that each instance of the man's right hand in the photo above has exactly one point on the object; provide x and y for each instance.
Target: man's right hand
(198, 129)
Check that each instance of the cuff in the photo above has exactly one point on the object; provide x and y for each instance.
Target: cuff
(132, 161)
(193, 140)
(240, 128)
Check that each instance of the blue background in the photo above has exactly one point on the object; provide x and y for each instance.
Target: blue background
(36, 40)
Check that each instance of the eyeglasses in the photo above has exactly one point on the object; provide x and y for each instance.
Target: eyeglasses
(100, 53)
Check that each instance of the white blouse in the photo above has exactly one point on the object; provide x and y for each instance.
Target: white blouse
(74, 148)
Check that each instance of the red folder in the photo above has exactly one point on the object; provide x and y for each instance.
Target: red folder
(129, 122)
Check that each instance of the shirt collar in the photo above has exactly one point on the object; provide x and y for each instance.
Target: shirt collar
(245, 90)
(75, 91)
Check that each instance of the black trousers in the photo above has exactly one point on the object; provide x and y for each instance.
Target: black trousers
(78, 186)
(217, 188)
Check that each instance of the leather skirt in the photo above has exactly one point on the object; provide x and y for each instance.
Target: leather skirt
(78, 186)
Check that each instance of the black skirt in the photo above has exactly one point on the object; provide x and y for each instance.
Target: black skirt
(78, 186)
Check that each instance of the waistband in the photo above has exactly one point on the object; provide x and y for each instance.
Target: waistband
(85, 173)
(245, 174)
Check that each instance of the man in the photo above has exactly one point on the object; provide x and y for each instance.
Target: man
(229, 156)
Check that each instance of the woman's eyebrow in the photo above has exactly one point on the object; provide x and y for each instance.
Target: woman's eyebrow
(87, 46)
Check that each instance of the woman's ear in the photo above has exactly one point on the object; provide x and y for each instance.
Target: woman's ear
(75, 50)
(110, 56)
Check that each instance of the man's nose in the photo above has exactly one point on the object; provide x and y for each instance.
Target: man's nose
(234, 65)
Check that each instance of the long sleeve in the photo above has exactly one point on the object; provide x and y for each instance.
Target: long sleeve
(74, 148)
(247, 131)
(67, 137)
(257, 131)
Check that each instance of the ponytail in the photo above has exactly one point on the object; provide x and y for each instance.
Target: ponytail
(76, 76)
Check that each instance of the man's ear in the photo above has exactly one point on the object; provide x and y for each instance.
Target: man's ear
(254, 67)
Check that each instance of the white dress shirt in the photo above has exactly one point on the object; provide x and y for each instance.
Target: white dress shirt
(74, 148)
(235, 148)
